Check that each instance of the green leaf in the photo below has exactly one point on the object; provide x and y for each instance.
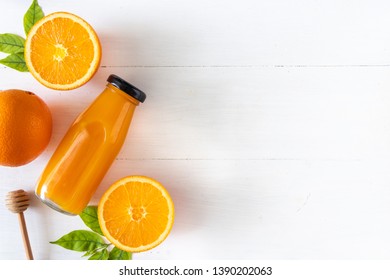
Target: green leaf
(81, 241)
(11, 43)
(100, 255)
(118, 254)
(90, 219)
(15, 61)
(33, 14)
(89, 253)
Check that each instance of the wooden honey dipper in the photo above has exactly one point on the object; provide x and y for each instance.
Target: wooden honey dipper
(17, 202)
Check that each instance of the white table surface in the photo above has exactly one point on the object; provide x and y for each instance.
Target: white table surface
(267, 121)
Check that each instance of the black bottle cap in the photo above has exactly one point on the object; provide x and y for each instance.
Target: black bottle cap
(127, 87)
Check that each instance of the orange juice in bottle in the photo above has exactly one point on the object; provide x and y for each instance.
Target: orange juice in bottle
(88, 149)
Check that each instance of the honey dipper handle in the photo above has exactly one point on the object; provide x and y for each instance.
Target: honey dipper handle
(26, 241)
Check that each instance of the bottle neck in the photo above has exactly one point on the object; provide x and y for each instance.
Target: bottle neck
(113, 89)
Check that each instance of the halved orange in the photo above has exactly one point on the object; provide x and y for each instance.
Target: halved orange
(62, 51)
(136, 213)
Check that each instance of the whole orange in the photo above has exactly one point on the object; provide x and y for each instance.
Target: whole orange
(25, 127)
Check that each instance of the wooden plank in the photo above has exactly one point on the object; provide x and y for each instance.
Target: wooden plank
(247, 32)
(243, 209)
(235, 113)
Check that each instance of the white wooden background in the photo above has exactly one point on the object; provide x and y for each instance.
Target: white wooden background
(268, 122)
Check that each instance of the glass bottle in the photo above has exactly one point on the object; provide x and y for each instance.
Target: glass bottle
(88, 149)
